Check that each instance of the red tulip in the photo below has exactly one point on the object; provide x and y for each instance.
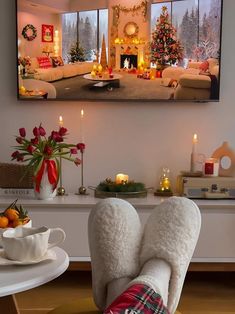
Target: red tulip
(62, 131)
(36, 131)
(22, 132)
(77, 161)
(15, 154)
(48, 150)
(73, 151)
(42, 131)
(19, 140)
(59, 139)
(55, 136)
(81, 147)
(20, 157)
(30, 149)
(35, 141)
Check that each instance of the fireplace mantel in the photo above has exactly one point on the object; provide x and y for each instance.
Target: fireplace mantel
(137, 49)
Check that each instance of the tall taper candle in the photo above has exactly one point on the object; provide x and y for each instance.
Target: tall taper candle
(81, 126)
(60, 189)
(193, 154)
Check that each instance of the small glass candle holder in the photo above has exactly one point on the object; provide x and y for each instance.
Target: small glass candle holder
(164, 188)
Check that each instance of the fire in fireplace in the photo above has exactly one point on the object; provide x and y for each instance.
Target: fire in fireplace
(128, 61)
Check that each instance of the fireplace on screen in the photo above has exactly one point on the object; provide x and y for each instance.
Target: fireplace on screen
(128, 61)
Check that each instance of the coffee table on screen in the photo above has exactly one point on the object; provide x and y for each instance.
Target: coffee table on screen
(18, 278)
(104, 82)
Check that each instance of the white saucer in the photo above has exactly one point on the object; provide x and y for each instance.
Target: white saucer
(50, 255)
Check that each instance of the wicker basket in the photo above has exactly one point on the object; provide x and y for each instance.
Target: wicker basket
(13, 176)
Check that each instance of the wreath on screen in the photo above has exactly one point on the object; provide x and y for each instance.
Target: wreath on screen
(29, 32)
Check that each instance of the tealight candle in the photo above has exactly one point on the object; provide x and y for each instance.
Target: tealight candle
(121, 178)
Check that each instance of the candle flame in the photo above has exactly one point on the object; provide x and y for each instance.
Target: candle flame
(60, 121)
(195, 139)
(82, 113)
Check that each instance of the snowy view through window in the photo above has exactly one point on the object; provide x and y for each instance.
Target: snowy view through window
(82, 27)
(197, 23)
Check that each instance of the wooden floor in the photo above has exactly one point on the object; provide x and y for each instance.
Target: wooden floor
(203, 293)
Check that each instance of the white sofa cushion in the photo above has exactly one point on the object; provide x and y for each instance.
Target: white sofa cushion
(69, 70)
(195, 81)
(189, 93)
(173, 72)
(194, 64)
(212, 62)
(49, 75)
(57, 73)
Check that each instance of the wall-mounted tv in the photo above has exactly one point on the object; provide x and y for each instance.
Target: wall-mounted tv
(119, 50)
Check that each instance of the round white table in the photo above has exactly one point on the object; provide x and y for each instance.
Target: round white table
(104, 81)
(18, 278)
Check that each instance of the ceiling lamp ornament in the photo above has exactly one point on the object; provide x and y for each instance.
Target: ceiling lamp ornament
(143, 6)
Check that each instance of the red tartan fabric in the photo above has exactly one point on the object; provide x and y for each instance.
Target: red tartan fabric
(138, 299)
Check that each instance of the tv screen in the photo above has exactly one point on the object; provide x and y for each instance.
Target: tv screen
(119, 51)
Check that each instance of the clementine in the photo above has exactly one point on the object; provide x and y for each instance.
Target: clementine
(3, 221)
(12, 214)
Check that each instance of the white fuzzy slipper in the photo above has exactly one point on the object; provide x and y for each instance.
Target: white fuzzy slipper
(171, 234)
(114, 232)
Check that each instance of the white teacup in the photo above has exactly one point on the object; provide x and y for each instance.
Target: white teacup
(29, 244)
(27, 225)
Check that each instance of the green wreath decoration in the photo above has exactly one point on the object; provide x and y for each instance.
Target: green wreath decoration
(25, 32)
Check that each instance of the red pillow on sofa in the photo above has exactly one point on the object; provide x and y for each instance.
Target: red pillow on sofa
(44, 62)
(204, 66)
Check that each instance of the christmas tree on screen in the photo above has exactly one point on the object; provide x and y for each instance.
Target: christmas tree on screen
(165, 48)
(103, 58)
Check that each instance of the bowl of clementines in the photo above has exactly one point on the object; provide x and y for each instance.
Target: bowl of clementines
(14, 216)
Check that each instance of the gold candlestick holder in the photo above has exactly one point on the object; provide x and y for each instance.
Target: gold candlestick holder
(60, 189)
(82, 189)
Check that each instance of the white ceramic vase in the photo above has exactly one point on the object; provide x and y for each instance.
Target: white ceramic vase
(46, 191)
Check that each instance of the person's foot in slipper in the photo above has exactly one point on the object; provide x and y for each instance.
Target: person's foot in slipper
(169, 239)
(114, 231)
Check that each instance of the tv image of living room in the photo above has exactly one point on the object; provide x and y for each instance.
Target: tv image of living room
(119, 50)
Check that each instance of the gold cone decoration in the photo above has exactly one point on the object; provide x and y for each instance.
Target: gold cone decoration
(103, 57)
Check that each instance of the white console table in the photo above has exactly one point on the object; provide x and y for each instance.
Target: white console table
(216, 243)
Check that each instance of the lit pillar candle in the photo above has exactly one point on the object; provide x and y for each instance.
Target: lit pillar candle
(121, 178)
(193, 154)
(61, 123)
(81, 125)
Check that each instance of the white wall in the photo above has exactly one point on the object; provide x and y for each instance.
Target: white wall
(136, 138)
(34, 48)
(84, 5)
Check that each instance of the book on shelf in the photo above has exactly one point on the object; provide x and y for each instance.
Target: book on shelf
(19, 192)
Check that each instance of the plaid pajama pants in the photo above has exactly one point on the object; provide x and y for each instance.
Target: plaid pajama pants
(138, 299)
